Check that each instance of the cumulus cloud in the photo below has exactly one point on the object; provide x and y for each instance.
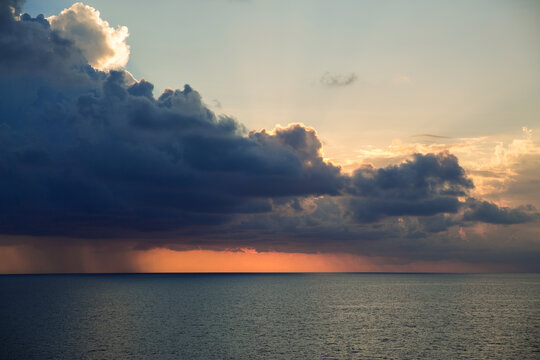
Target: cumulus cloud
(30, 47)
(101, 156)
(338, 80)
(88, 153)
(427, 185)
(487, 212)
(103, 46)
(135, 162)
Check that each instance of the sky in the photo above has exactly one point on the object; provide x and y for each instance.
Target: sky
(304, 136)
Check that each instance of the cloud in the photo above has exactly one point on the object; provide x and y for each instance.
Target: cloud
(338, 80)
(120, 160)
(9, 9)
(427, 185)
(491, 213)
(30, 47)
(104, 47)
(92, 154)
(102, 157)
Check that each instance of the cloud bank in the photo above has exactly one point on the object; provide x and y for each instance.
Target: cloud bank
(88, 152)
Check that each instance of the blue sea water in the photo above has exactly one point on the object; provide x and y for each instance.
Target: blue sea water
(270, 316)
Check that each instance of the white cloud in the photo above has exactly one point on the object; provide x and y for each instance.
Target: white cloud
(103, 46)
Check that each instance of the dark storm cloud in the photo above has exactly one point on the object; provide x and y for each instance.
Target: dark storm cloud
(124, 159)
(92, 154)
(105, 155)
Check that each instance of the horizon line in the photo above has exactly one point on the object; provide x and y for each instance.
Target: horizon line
(271, 273)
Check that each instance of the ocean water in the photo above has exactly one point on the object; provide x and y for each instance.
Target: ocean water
(270, 316)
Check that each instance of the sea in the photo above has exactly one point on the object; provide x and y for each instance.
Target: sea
(270, 316)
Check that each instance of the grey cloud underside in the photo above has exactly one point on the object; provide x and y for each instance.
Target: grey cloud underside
(89, 154)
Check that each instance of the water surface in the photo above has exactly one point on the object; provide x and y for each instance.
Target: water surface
(270, 316)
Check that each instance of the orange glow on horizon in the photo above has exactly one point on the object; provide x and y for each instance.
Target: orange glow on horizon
(26, 259)
(246, 260)
(249, 260)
